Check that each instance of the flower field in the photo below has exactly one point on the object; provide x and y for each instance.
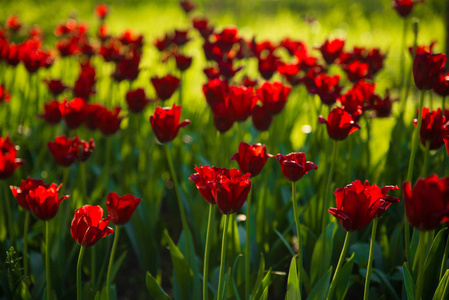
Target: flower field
(224, 150)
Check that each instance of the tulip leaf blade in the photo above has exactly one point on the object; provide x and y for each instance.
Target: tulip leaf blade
(343, 280)
(434, 249)
(319, 291)
(319, 263)
(259, 274)
(408, 282)
(443, 287)
(155, 289)
(292, 281)
(263, 285)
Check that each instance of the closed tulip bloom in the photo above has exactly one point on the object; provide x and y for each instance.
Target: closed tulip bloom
(404, 7)
(241, 102)
(223, 118)
(183, 62)
(137, 100)
(21, 192)
(121, 208)
(101, 11)
(73, 112)
(327, 88)
(427, 68)
(108, 121)
(43, 201)
(88, 227)
(52, 114)
(56, 87)
(215, 91)
(331, 50)
(261, 118)
(273, 96)
(358, 204)
(294, 165)
(231, 190)
(441, 87)
(187, 5)
(66, 151)
(356, 70)
(427, 204)
(165, 86)
(165, 123)
(8, 158)
(204, 179)
(434, 127)
(339, 124)
(251, 158)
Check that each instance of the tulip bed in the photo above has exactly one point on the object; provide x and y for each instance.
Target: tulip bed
(298, 159)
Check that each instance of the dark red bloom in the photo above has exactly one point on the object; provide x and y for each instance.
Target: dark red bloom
(73, 112)
(290, 72)
(85, 83)
(204, 178)
(101, 10)
(91, 110)
(434, 127)
(427, 205)
(268, 65)
(66, 151)
(137, 100)
(292, 46)
(108, 121)
(180, 38)
(339, 124)
(294, 165)
(230, 190)
(251, 158)
(358, 204)
(354, 103)
(183, 62)
(241, 102)
(8, 158)
(227, 38)
(13, 23)
(382, 107)
(326, 86)
(43, 201)
(420, 49)
(127, 68)
(187, 5)
(21, 193)
(56, 87)
(227, 70)
(212, 72)
(273, 96)
(165, 123)
(165, 86)
(223, 117)
(87, 227)
(261, 118)
(215, 91)
(121, 208)
(403, 7)
(427, 68)
(441, 87)
(331, 50)
(248, 82)
(4, 95)
(356, 70)
(202, 25)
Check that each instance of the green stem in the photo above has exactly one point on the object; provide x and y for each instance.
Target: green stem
(210, 222)
(25, 243)
(79, 291)
(426, 159)
(403, 51)
(111, 262)
(411, 163)
(368, 151)
(9, 213)
(178, 196)
(47, 258)
(83, 179)
(339, 264)
(223, 257)
(298, 232)
(328, 185)
(422, 256)
(370, 258)
(443, 261)
(247, 246)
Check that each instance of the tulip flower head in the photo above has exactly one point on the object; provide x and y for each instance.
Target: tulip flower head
(251, 158)
(87, 227)
(22, 192)
(434, 127)
(359, 203)
(165, 123)
(427, 204)
(121, 208)
(204, 179)
(165, 86)
(8, 158)
(331, 50)
(427, 68)
(273, 96)
(294, 165)
(43, 201)
(404, 7)
(339, 124)
(137, 100)
(66, 151)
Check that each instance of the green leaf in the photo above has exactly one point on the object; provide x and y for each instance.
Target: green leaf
(155, 289)
(259, 274)
(408, 282)
(319, 263)
(343, 280)
(320, 290)
(386, 282)
(112, 293)
(182, 271)
(442, 289)
(434, 249)
(292, 281)
(235, 268)
(264, 295)
(225, 284)
(287, 245)
(264, 284)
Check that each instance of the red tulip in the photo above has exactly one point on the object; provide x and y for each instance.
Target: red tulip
(403, 7)
(356, 70)
(327, 88)
(165, 86)
(261, 118)
(4, 95)
(165, 123)
(8, 158)
(227, 38)
(101, 10)
(56, 87)
(180, 37)
(426, 69)
(230, 190)
(427, 205)
(108, 121)
(204, 178)
(382, 107)
(137, 100)
(21, 193)
(127, 68)
(294, 165)
(86, 80)
(354, 103)
(66, 151)
(241, 102)
(434, 127)
(268, 65)
(187, 5)
(120, 209)
(215, 91)
(358, 204)
(52, 114)
(13, 23)
(73, 112)
(223, 117)
(273, 96)
(43, 201)
(441, 87)
(251, 158)
(202, 25)
(339, 124)
(87, 227)
(183, 62)
(331, 50)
